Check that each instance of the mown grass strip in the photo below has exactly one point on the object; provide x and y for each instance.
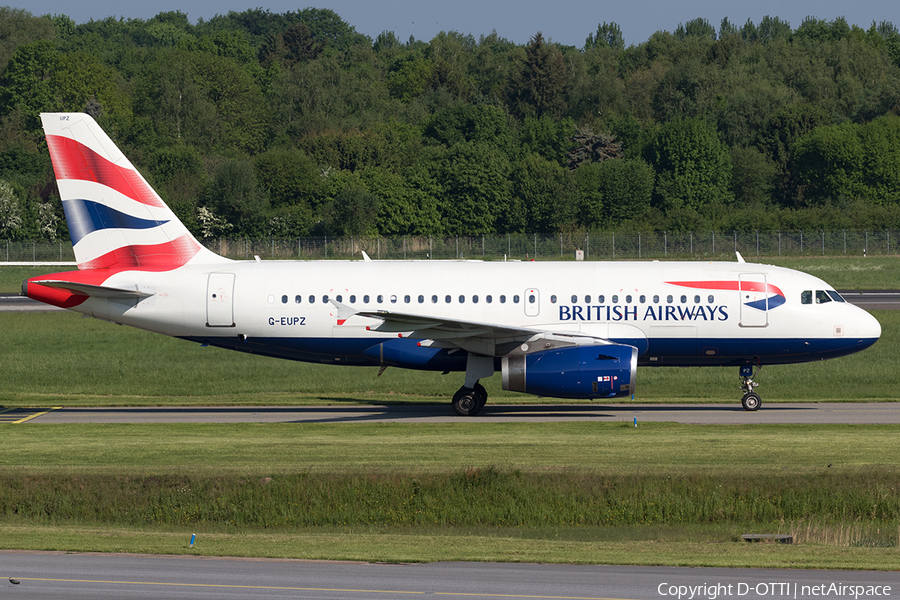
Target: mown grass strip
(268, 449)
(693, 548)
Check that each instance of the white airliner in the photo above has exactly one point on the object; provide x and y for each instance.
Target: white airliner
(557, 329)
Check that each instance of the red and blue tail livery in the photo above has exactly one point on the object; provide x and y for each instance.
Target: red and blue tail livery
(556, 329)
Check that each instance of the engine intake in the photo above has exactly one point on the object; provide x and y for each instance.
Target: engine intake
(599, 371)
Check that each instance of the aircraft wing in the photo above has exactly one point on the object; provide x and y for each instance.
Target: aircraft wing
(478, 338)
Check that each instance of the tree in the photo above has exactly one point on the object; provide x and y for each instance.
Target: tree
(698, 27)
(693, 167)
(10, 212)
(234, 194)
(539, 86)
(851, 161)
(609, 35)
(613, 191)
(474, 182)
(545, 194)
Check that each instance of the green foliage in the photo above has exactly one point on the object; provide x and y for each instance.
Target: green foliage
(255, 82)
(852, 161)
(538, 88)
(474, 179)
(609, 35)
(693, 167)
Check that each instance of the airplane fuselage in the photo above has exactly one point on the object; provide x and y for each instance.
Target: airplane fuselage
(674, 313)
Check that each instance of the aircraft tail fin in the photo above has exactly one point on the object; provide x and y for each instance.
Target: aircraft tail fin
(116, 220)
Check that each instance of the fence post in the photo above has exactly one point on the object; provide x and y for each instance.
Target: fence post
(665, 244)
(757, 242)
(735, 241)
(823, 242)
(614, 245)
(326, 246)
(639, 244)
(779, 243)
(714, 242)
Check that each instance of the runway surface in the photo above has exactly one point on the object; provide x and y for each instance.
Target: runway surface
(90, 576)
(708, 414)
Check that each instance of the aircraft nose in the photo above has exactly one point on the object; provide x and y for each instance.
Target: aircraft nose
(868, 328)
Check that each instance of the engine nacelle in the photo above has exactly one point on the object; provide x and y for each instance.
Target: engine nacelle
(599, 371)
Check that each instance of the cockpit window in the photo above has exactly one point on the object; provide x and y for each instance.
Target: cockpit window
(822, 297)
(835, 296)
(806, 297)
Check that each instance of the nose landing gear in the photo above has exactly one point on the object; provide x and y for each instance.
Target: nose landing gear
(751, 400)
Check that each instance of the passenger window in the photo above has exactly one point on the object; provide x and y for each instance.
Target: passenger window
(656, 299)
(628, 299)
(406, 299)
(312, 299)
(669, 299)
(393, 298)
(339, 298)
(587, 299)
(601, 298)
(574, 299)
(615, 299)
(380, 299)
(642, 299)
(434, 299)
(447, 299)
(516, 299)
(298, 299)
(488, 299)
(366, 299)
(325, 299)
(697, 299)
(421, 299)
(531, 299)
(502, 298)
(683, 299)
(806, 297)
(352, 298)
(552, 299)
(462, 299)
(710, 299)
(475, 299)
(284, 299)
(822, 297)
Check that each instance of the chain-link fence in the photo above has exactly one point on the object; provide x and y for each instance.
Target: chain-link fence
(591, 246)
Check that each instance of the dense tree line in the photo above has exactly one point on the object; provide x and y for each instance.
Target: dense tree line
(257, 123)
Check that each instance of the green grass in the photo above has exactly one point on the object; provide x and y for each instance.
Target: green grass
(657, 546)
(549, 492)
(267, 449)
(62, 359)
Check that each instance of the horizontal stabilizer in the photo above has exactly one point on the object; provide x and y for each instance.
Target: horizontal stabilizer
(95, 291)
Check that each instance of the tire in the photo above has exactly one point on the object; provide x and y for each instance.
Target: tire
(465, 402)
(482, 396)
(751, 401)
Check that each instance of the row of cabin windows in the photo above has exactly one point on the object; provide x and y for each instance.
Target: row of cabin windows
(448, 299)
(821, 296)
(407, 299)
(601, 299)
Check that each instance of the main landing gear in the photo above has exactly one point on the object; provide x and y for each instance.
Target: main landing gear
(468, 401)
(751, 400)
(472, 396)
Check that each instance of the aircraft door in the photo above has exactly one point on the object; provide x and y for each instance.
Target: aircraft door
(219, 300)
(532, 302)
(754, 300)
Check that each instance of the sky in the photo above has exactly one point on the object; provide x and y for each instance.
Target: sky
(568, 22)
